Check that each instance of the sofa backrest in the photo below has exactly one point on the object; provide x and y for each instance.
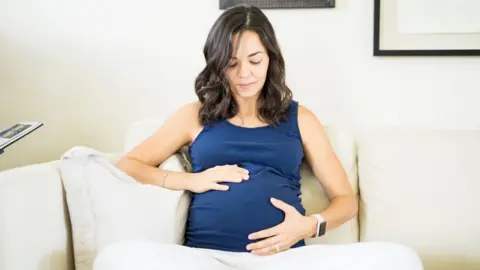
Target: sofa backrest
(420, 188)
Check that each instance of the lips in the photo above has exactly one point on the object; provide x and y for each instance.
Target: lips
(243, 85)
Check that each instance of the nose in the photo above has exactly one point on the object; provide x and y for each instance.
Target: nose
(243, 70)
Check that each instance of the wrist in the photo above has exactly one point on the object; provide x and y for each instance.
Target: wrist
(175, 180)
(311, 230)
(321, 225)
(190, 181)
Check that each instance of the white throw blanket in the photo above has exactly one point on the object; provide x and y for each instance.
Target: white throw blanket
(80, 156)
(106, 205)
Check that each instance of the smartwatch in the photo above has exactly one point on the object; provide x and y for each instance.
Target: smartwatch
(321, 225)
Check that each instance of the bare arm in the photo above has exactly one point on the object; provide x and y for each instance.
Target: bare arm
(142, 162)
(328, 170)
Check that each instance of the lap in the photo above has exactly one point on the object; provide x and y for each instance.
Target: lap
(355, 256)
(145, 255)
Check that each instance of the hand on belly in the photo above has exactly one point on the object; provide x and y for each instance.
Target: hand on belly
(244, 209)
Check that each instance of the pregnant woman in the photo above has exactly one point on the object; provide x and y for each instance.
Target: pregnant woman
(247, 138)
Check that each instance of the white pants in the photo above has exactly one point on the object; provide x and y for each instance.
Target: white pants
(144, 255)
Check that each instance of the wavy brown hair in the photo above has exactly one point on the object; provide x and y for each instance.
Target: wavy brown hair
(211, 85)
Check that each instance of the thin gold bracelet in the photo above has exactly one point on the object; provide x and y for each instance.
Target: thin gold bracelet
(164, 177)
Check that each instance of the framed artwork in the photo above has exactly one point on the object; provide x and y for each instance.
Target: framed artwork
(280, 4)
(426, 28)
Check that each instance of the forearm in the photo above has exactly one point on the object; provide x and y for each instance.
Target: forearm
(340, 210)
(150, 175)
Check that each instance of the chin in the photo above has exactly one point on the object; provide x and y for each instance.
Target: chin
(243, 93)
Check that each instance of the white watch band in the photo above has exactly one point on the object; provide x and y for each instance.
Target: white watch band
(320, 219)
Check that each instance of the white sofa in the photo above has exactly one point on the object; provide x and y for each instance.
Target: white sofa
(416, 187)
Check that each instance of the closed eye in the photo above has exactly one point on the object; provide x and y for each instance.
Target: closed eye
(252, 62)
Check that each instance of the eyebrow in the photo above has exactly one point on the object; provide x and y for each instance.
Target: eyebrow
(250, 55)
(253, 54)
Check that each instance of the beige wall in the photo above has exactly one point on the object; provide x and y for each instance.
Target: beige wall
(89, 68)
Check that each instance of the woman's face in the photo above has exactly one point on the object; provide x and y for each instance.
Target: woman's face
(247, 68)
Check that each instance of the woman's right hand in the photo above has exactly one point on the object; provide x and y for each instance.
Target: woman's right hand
(210, 178)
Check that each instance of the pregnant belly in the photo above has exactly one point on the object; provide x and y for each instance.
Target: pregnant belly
(224, 219)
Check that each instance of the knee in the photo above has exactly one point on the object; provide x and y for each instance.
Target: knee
(123, 255)
(108, 257)
(397, 255)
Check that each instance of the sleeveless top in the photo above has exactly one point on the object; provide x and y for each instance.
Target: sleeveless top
(222, 220)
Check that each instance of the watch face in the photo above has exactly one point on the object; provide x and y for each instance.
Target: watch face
(322, 228)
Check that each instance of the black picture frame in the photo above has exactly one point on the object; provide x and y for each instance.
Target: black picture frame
(377, 51)
(279, 4)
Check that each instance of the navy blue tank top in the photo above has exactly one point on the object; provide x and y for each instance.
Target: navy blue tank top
(223, 220)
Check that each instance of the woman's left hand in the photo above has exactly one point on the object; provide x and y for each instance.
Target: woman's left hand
(294, 228)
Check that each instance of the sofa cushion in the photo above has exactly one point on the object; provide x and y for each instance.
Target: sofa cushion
(314, 199)
(106, 205)
(420, 188)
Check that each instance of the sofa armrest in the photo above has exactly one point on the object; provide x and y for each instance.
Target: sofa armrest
(34, 223)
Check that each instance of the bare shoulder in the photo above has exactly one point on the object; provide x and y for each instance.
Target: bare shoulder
(189, 110)
(174, 133)
(307, 118)
(187, 116)
(311, 128)
(305, 113)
